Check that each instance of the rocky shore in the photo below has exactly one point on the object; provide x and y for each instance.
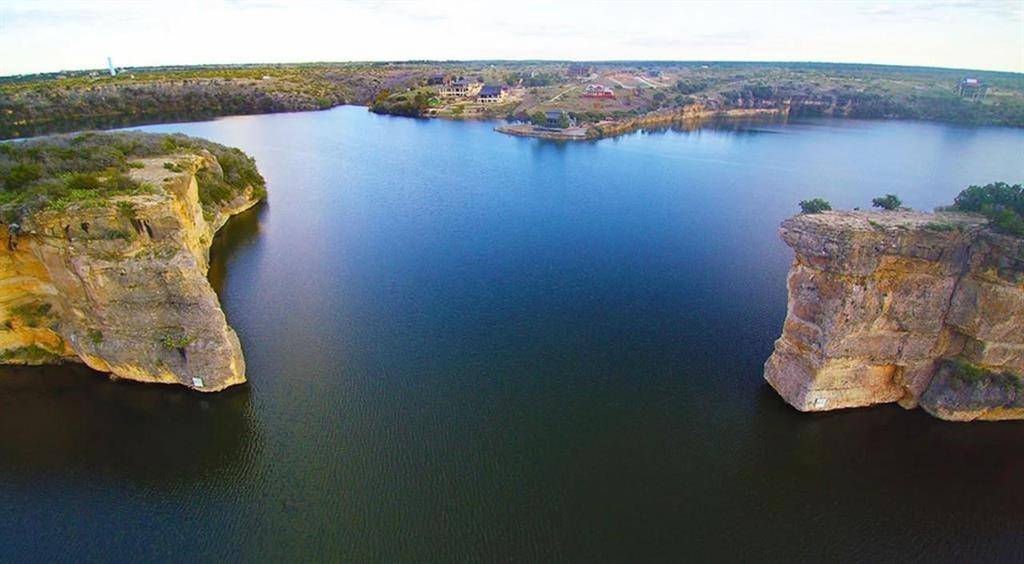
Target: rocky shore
(916, 308)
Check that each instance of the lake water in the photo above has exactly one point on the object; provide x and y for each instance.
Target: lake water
(469, 347)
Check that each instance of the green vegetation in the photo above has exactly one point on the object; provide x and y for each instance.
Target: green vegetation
(965, 374)
(112, 234)
(410, 104)
(32, 314)
(89, 169)
(67, 101)
(32, 354)
(1002, 203)
(95, 336)
(126, 209)
(816, 205)
(76, 100)
(889, 202)
(532, 79)
(176, 340)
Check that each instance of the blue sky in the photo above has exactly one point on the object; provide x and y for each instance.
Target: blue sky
(43, 35)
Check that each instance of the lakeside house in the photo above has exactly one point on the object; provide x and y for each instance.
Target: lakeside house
(598, 91)
(461, 88)
(558, 119)
(491, 94)
(970, 87)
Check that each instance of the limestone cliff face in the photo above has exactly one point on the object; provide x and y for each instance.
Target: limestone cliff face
(916, 308)
(122, 286)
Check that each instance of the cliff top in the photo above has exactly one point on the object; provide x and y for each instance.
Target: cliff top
(90, 169)
(873, 221)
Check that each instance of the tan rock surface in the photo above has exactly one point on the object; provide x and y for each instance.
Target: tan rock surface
(123, 287)
(877, 302)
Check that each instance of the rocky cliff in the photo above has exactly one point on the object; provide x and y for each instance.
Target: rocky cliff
(922, 309)
(120, 283)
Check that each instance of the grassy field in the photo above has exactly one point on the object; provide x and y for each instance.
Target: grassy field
(32, 105)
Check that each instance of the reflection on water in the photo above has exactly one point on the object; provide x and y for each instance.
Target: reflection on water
(465, 346)
(236, 234)
(75, 422)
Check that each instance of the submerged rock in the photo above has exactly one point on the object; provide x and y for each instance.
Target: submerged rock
(884, 305)
(120, 284)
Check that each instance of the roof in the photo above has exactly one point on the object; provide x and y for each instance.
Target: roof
(491, 90)
(553, 114)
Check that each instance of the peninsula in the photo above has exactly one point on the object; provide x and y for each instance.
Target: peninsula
(106, 250)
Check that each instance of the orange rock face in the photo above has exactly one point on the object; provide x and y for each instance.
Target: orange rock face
(883, 306)
(122, 286)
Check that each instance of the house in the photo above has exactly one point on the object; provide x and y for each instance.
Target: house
(491, 94)
(558, 119)
(461, 88)
(969, 87)
(598, 91)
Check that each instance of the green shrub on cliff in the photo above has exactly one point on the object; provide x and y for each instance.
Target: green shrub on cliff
(965, 374)
(32, 354)
(888, 202)
(176, 340)
(22, 174)
(1002, 203)
(32, 314)
(816, 205)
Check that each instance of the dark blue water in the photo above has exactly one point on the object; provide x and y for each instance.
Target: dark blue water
(469, 347)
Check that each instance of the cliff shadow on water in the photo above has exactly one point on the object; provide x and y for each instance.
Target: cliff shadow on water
(72, 424)
(239, 232)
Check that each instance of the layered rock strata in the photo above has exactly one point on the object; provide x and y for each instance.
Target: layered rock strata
(922, 309)
(122, 286)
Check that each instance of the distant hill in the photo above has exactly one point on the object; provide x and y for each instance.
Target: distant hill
(75, 100)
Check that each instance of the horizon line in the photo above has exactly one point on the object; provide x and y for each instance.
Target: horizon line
(464, 61)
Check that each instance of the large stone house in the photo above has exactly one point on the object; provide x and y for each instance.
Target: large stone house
(461, 88)
(491, 94)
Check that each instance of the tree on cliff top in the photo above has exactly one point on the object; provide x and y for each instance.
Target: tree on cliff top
(1002, 203)
(817, 205)
(888, 202)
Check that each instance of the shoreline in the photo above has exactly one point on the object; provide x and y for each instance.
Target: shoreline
(614, 128)
(600, 130)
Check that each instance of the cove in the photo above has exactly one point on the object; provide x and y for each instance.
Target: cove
(473, 347)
